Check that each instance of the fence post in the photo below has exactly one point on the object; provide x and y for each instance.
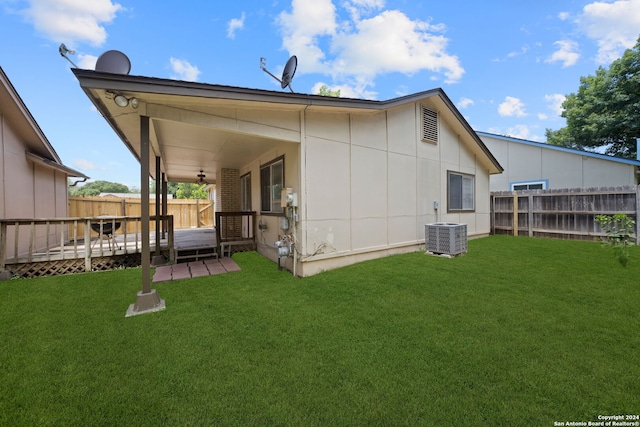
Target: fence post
(197, 213)
(530, 215)
(515, 213)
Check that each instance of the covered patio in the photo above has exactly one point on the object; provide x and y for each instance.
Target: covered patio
(181, 132)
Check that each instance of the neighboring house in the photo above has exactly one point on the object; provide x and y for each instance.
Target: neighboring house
(368, 175)
(34, 180)
(530, 165)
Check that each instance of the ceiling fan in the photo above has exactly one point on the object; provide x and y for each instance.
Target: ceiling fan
(201, 178)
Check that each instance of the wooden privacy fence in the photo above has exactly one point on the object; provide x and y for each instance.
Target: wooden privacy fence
(564, 214)
(187, 213)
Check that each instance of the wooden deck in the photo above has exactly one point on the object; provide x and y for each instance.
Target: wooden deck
(52, 246)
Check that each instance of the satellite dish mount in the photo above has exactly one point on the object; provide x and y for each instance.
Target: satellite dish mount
(287, 74)
(63, 52)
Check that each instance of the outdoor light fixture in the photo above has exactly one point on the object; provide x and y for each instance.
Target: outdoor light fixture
(123, 101)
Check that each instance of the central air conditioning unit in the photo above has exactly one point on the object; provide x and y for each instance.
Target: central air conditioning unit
(446, 238)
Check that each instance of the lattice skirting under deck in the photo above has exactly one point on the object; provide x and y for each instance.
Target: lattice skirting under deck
(70, 266)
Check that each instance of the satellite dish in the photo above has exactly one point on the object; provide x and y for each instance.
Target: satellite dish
(287, 74)
(113, 61)
(289, 71)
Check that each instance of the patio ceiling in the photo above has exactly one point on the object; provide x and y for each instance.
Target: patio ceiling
(190, 133)
(198, 126)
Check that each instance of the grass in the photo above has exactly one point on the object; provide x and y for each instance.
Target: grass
(517, 332)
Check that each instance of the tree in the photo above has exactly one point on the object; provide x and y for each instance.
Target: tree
(191, 191)
(605, 112)
(325, 91)
(172, 188)
(96, 187)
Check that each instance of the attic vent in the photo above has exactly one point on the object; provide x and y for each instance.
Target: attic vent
(429, 125)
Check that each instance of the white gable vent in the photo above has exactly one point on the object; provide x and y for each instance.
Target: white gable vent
(429, 125)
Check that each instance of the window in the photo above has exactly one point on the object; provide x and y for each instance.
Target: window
(245, 192)
(530, 185)
(429, 125)
(271, 183)
(461, 191)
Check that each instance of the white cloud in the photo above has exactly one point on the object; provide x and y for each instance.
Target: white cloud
(519, 131)
(87, 62)
(87, 165)
(234, 25)
(302, 28)
(183, 70)
(464, 103)
(566, 53)
(614, 25)
(554, 102)
(563, 16)
(542, 116)
(346, 90)
(511, 107)
(357, 50)
(391, 42)
(357, 8)
(72, 21)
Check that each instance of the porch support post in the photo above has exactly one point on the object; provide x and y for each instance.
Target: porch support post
(158, 259)
(148, 300)
(165, 203)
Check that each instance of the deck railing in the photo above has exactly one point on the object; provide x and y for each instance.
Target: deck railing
(235, 229)
(56, 239)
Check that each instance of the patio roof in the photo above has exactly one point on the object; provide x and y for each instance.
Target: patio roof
(199, 126)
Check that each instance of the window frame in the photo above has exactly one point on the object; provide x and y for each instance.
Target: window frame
(543, 182)
(245, 192)
(270, 166)
(451, 194)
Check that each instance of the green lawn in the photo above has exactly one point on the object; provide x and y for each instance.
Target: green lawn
(517, 332)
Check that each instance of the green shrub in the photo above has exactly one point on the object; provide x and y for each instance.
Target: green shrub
(619, 229)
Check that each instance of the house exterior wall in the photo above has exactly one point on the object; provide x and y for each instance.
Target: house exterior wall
(271, 232)
(559, 169)
(29, 190)
(370, 184)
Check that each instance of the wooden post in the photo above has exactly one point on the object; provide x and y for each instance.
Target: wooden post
(165, 191)
(530, 215)
(197, 213)
(87, 245)
(170, 240)
(147, 300)
(157, 254)
(515, 213)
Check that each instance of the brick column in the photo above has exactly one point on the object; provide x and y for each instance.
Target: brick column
(228, 198)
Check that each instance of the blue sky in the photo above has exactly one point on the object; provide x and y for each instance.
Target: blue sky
(506, 64)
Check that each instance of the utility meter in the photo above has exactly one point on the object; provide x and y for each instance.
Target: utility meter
(288, 197)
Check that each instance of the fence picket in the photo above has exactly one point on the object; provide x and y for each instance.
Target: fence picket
(561, 213)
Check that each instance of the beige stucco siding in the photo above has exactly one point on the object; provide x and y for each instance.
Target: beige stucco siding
(371, 183)
(29, 190)
(527, 161)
